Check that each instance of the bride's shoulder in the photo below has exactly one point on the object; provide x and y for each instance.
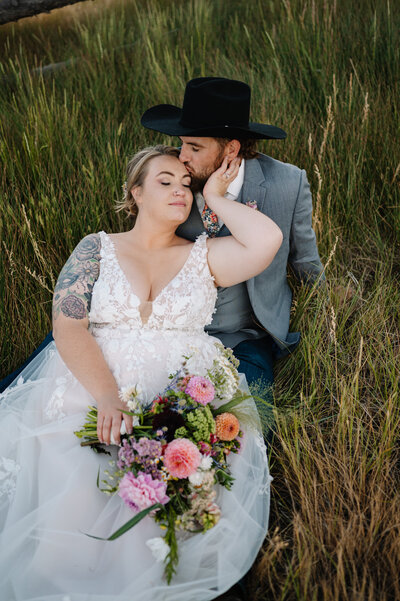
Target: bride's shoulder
(89, 247)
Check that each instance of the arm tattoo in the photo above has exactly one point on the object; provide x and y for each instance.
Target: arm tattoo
(73, 291)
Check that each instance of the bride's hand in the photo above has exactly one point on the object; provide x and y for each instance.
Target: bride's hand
(218, 182)
(109, 420)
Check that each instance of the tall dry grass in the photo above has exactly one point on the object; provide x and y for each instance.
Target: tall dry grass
(73, 85)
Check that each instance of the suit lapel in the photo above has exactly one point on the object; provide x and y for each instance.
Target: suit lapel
(254, 185)
(253, 189)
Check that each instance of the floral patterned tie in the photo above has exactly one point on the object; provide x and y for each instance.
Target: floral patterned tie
(210, 221)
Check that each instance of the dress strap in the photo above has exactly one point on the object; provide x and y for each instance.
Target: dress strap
(201, 241)
(107, 250)
(198, 260)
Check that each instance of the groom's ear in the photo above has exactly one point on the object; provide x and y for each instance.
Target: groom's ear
(232, 149)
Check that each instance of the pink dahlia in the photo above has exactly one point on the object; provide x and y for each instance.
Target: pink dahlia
(182, 458)
(141, 491)
(200, 389)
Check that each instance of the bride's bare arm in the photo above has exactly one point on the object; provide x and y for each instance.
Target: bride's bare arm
(255, 238)
(76, 345)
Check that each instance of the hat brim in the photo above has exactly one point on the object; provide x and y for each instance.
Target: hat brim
(165, 118)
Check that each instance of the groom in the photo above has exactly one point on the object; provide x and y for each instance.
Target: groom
(252, 317)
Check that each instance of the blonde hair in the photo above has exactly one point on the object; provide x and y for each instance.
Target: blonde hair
(136, 172)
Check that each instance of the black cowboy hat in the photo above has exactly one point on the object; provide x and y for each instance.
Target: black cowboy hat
(212, 107)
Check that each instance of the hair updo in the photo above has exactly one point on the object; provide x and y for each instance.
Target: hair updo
(136, 171)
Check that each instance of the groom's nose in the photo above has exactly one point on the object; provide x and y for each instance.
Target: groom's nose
(184, 155)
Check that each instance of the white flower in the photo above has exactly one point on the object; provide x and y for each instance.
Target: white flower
(129, 395)
(134, 406)
(196, 479)
(224, 373)
(135, 422)
(206, 463)
(158, 547)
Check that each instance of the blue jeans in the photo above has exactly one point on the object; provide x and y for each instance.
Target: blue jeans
(257, 357)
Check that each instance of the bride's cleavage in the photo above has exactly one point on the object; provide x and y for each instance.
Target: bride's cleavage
(145, 307)
(145, 311)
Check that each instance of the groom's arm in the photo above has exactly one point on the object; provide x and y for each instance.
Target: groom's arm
(304, 257)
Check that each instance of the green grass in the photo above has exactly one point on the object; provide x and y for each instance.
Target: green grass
(328, 73)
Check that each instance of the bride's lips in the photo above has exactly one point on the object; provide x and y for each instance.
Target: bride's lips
(177, 204)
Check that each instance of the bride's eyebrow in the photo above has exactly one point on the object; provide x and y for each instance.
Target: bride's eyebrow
(173, 174)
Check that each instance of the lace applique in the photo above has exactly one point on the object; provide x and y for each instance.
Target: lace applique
(174, 328)
(50, 353)
(260, 442)
(265, 488)
(19, 382)
(53, 409)
(8, 476)
(186, 302)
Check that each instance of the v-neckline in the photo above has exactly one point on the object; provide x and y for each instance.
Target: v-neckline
(130, 285)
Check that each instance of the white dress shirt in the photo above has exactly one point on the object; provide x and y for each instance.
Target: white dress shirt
(232, 193)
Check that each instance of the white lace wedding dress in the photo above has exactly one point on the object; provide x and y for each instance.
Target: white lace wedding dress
(48, 494)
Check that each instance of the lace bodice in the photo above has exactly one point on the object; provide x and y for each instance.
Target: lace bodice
(185, 303)
(144, 352)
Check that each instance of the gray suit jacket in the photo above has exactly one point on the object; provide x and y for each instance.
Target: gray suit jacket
(283, 193)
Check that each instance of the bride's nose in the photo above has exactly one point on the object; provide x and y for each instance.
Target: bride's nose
(179, 192)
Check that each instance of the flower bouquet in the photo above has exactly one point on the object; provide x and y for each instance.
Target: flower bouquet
(178, 451)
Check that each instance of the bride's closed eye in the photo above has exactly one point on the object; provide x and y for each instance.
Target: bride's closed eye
(168, 183)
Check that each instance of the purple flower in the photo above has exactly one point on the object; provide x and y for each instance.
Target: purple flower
(142, 491)
(147, 448)
(126, 455)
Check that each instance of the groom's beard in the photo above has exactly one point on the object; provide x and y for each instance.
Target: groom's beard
(199, 181)
(200, 178)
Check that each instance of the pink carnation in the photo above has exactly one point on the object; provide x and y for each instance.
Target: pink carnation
(200, 389)
(182, 458)
(142, 491)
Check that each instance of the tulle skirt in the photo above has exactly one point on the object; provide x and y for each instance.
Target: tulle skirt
(49, 501)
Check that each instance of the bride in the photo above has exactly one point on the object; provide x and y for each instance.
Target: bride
(127, 308)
